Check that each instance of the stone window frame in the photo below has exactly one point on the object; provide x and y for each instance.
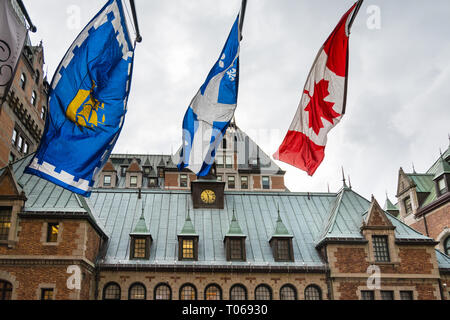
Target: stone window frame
(183, 287)
(239, 285)
(245, 185)
(16, 207)
(392, 247)
(161, 285)
(443, 238)
(213, 285)
(381, 242)
(266, 286)
(313, 286)
(395, 289)
(8, 210)
(148, 243)
(290, 286)
(44, 233)
(262, 182)
(43, 286)
(133, 185)
(182, 180)
(134, 285)
(105, 184)
(234, 182)
(107, 285)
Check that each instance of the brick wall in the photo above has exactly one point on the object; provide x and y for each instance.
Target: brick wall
(278, 182)
(437, 221)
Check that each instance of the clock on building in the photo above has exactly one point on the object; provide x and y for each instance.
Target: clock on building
(208, 196)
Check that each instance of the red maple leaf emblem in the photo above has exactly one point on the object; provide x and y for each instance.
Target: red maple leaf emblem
(318, 108)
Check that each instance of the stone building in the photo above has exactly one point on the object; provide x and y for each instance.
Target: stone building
(207, 242)
(22, 115)
(424, 201)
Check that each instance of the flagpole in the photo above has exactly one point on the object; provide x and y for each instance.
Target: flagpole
(136, 25)
(25, 13)
(242, 16)
(358, 6)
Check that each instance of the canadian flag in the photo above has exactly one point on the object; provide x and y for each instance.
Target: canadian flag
(322, 104)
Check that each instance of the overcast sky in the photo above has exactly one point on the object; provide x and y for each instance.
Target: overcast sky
(398, 90)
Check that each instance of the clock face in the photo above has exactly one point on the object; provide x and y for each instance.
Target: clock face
(208, 196)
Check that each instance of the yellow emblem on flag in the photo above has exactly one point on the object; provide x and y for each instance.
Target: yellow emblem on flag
(84, 109)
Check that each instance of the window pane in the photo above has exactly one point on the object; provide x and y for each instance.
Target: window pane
(23, 80)
(447, 246)
(43, 113)
(5, 223)
(5, 290)
(238, 293)
(408, 205)
(52, 232)
(107, 181)
(111, 292)
(188, 249)
(367, 295)
(213, 293)
(46, 294)
(140, 246)
(236, 249)
(283, 249)
(406, 295)
(187, 293)
(312, 293)
(380, 248)
(441, 185)
(25, 148)
(387, 295)
(288, 293)
(183, 180)
(14, 137)
(244, 182)
(162, 292)
(219, 161)
(231, 180)
(133, 181)
(266, 182)
(263, 293)
(20, 143)
(228, 162)
(137, 292)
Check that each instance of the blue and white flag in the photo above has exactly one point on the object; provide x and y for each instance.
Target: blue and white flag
(87, 102)
(210, 112)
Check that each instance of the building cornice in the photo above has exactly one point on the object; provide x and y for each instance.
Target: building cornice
(433, 205)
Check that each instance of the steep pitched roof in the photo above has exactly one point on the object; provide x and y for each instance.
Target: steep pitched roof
(389, 206)
(134, 166)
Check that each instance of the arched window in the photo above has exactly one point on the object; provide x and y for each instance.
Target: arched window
(111, 291)
(213, 292)
(137, 291)
(447, 246)
(163, 292)
(238, 292)
(23, 81)
(33, 98)
(312, 292)
(263, 292)
(188, 292)
(288, 292)
(38, 76)
(5, 290)
(43, 112)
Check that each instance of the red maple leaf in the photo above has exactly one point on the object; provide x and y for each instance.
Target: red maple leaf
(318, 108)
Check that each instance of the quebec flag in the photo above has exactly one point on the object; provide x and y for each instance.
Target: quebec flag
(210, 112)
(87, 103)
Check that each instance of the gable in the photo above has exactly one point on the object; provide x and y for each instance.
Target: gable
(376, 216)
(404, 182)
(8, 184)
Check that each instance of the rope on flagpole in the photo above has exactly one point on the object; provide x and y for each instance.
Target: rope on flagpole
(135, 20)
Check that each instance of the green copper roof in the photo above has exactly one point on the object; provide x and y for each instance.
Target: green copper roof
(235, 229)
(434, 167)
(141, 226)
(423, 182)
(441, 168)
(188, 228)
(280, 229)
(389, 206)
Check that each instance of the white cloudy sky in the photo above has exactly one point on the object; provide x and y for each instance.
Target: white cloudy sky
(399, 75)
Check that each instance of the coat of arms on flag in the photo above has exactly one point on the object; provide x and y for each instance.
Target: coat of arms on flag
(322, 104)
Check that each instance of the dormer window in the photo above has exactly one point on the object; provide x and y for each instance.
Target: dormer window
(147, 170)
(235, 242)
(183, 180)
(141, 240)
(442, 186)
(152, 182)
(408, 205)
(281, 242)
(107, 181)
(133, 181)
(188, 241)
(5, 222)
